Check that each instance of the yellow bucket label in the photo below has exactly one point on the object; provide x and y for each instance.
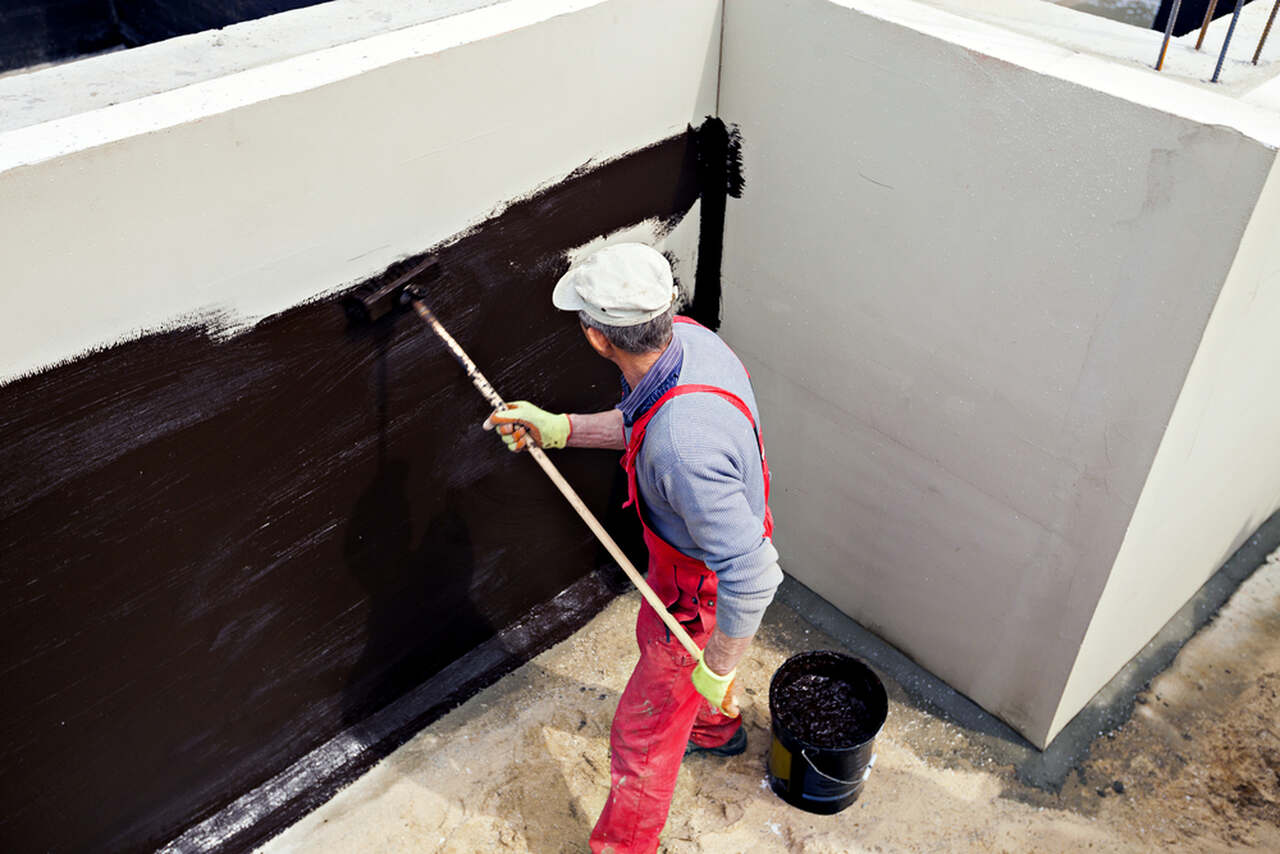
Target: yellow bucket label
(780, 761)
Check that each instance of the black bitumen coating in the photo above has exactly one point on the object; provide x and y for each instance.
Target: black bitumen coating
(720, 177)
(316, 777)
(822, 710)
(218, 555)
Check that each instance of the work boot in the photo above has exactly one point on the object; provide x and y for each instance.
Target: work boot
(735, 745)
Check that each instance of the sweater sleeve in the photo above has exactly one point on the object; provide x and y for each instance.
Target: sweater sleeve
(705, 487)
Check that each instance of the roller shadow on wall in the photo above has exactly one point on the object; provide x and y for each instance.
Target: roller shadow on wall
(405, 584)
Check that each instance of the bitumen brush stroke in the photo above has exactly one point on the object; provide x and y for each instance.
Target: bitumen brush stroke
(216, 555)
(719, 148)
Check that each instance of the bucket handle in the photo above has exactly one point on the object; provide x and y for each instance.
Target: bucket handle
(804, 751)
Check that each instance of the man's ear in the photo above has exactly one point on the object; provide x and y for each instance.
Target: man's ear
(598, 342)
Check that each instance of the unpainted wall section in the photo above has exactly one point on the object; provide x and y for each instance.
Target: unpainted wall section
(226, 201)
(965, 294)
(1216, 478)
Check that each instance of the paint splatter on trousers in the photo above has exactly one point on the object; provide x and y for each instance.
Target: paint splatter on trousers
(659, 713)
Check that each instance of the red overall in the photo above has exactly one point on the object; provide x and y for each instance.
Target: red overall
(660, 711)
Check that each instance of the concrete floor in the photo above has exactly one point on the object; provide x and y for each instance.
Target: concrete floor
(523, 766)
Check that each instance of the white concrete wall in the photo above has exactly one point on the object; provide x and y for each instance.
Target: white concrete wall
(969, 275)
(1216, 477)
(225, 201)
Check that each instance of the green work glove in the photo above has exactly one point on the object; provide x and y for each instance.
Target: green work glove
(522, 420)
(716, 688)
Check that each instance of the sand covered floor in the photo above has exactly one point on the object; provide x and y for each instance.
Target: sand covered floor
(524, 767)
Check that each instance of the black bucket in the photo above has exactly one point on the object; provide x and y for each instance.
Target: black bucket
(827, 710)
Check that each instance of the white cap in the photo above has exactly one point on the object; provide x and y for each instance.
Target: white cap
(625, 284)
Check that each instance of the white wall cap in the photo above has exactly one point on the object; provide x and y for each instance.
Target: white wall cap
(1136, 46)
(1123, 79)
(59, 137)
(32, 96)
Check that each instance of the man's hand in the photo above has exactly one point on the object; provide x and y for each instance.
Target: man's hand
(522, 423)
(718, 689)
(721, 655)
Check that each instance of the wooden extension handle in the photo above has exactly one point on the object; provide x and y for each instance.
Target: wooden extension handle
(540, 457)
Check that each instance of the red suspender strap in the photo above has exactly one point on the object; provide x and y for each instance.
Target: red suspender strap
(638, 431)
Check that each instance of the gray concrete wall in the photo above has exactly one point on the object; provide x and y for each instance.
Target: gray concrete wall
(969, 290)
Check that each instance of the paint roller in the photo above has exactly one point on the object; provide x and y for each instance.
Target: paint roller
(368, 303)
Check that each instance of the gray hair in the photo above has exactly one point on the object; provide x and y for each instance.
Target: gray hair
(642, 338)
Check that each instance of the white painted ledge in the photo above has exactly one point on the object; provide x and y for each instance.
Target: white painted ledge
(58, 137)
(64, 89)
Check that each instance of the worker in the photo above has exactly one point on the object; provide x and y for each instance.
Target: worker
(699, 480)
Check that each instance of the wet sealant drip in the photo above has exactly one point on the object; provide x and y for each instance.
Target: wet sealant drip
(719, 163)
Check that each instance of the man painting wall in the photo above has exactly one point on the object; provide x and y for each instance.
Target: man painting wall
(699, 479)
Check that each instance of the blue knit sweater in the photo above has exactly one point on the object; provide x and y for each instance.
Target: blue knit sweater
(700, 477)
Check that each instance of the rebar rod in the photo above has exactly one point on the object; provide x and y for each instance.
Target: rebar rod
(1168, 33)
(1235, 16)
(1266, 31)
(1208, 19)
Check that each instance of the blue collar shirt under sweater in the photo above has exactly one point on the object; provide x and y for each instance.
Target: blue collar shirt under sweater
(699, 473)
